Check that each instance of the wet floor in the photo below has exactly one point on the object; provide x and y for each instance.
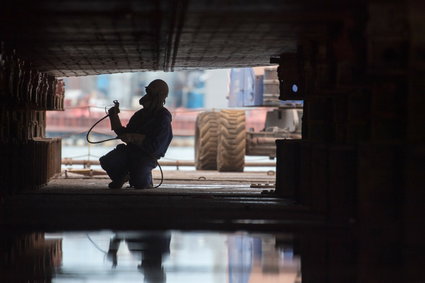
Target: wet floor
(312, 255)
(151, 256)
(205, 236)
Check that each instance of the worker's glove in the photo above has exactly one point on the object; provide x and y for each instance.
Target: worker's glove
(113, 111)
(136, 139)
(115, 119)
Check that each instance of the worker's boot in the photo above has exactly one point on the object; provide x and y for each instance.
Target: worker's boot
(149, 186)
(117, 184)
(144, 182)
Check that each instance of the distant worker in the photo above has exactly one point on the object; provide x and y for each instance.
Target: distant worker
(147, 135)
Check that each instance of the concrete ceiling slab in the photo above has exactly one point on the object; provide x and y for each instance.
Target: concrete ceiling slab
(76, 38)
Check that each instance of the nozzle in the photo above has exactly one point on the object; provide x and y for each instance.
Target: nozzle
(117, 105)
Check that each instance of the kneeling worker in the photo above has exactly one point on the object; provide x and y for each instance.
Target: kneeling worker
(147, 135)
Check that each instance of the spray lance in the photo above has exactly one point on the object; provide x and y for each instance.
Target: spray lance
(115, 123)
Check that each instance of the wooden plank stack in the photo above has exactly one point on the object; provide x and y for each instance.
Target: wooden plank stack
(361, 159)
(270, 87)
(28, 159)
(361, 96)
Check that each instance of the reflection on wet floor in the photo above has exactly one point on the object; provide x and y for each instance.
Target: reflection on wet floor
(29, 257)
(150, 256)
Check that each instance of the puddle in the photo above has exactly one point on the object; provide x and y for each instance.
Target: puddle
(150, 256)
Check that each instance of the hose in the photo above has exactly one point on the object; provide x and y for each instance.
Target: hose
(162, 175)
(92, 127)
(116, 138)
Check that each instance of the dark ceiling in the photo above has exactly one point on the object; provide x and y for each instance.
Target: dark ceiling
(82, 37)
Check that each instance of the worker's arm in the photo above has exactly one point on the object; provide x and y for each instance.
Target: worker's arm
(122, 132)
(136, 139)
(115, 120)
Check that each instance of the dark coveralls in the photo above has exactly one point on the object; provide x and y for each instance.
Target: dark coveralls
(138, 161)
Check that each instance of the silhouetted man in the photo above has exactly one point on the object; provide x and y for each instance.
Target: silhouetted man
(147, 135)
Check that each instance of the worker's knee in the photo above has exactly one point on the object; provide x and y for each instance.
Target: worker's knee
(116, 159)
(102, 162)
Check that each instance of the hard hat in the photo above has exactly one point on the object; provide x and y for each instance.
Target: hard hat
(158, 88)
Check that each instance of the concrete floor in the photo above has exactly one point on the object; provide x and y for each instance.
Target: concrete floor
(186, 200)
(175, 182)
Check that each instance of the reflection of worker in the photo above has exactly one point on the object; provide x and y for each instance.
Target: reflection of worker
(147, 135)
(150, 247)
